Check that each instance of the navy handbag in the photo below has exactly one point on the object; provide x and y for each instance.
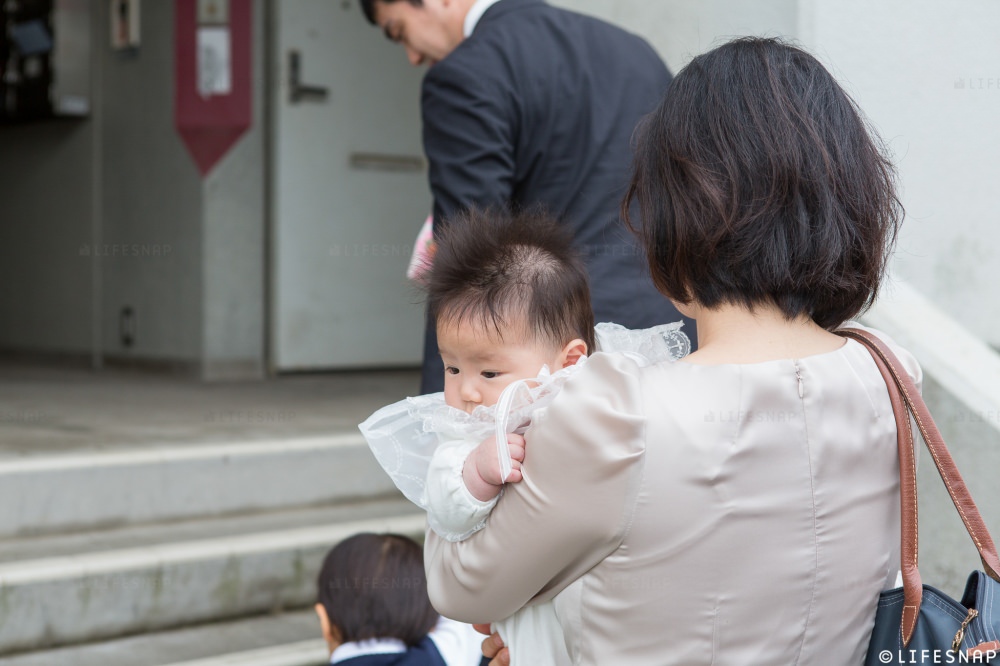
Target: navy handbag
(917, 624)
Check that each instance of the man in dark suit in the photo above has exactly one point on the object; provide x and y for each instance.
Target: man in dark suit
(526, 104)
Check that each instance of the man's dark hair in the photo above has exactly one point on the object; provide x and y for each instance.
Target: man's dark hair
(368, 7)
(759, 181)
(496, 269)
(373, 586)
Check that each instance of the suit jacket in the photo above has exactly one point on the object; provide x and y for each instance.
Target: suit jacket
(691, 514)
(538, 106)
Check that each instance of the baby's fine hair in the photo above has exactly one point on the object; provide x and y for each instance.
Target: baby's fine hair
(499, 269)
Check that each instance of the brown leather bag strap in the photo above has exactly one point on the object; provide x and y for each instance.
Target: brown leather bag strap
(904, 394)
(912, 583)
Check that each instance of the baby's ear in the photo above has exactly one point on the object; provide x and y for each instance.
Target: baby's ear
(572, 353)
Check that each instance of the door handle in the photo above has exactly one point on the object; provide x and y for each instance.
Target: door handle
(299, 91)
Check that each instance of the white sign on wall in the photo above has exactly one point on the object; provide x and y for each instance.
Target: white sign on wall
(215, 66)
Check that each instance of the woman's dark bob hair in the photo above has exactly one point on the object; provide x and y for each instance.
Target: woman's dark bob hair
(758, 182)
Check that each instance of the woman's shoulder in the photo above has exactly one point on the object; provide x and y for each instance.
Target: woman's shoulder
(612, 373)
(908, 360)
(601, 403)
(613, 362)
(617, 380)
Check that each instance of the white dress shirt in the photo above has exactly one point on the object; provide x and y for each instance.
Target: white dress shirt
(476, 12)
(458, 643)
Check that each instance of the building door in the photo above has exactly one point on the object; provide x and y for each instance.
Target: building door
(349, 192)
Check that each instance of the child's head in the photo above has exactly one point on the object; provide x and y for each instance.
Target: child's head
(759, 183)
(373, 586)
(510, 295)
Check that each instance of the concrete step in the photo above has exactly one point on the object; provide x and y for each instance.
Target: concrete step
(65, 589)
(305, 653)
(285, 639)
(95, 490)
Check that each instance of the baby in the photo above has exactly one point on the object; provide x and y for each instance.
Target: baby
(514, 323)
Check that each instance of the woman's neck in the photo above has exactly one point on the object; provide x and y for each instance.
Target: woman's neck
(734, 334)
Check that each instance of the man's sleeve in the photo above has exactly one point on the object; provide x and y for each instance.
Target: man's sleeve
(469, 129)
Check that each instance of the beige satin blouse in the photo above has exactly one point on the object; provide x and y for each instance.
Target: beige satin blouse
(688, 514)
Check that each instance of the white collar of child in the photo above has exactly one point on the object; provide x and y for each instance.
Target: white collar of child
(347, 651)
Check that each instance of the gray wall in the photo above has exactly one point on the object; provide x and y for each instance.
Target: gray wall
(926, 73)
(234, 245)
(110, 211)
(681, 29)
(947, 552)
(152, 198)
(45, 217)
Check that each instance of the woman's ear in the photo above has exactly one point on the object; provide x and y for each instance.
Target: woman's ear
(330, 632)
(572, 353)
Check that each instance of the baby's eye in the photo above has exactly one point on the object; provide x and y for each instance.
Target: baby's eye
(451, 370)
(491, 374)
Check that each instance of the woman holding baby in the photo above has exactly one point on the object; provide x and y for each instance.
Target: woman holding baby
(739, 506)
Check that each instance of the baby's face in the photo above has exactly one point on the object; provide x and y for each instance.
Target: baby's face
(478, 366)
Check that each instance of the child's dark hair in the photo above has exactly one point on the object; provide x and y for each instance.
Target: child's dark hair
(494, 268)
(373, 586)
(758, 181)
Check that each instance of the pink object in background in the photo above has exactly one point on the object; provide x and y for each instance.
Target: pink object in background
(423, 253)
(210, 122)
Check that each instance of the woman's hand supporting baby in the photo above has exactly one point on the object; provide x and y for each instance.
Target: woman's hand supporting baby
(481, 471)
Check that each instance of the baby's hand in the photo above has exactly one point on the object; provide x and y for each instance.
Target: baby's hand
(481, 472)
